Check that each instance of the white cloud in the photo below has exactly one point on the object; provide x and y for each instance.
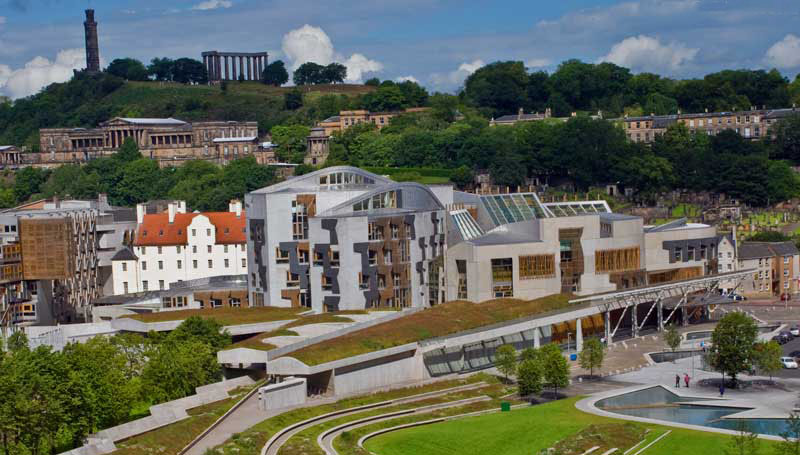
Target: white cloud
(538, 63)
(645, 53)
(785, 53)
(212, 4)
(406, 78)
(456, 78)
(40, 72)
(312, 44)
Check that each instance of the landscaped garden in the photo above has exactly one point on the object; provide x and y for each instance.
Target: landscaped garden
(438, 321)
(529, 430)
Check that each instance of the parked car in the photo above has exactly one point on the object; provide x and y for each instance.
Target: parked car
(782, 338)
(787, 334)
(737, 297)
(795, 331)
(789, 362)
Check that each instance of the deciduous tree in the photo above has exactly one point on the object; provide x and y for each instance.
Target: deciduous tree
(505, 359)
(732, 344)
(592, 355)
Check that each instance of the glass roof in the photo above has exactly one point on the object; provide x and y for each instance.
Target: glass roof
(466, 224)
(515, 207)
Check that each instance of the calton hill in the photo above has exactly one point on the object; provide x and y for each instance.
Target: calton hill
(582, 147)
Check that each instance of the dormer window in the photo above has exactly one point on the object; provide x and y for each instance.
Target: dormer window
(160, 232)
(227, 230)
(180, 231)
(144, 233)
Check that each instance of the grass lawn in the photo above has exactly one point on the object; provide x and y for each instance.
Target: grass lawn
(305, 441)
(438, 321)
(526, 431)
(225, 316)
(253, 439)
(172, 438)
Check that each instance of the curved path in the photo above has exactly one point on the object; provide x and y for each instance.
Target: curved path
(325, 439)
(273, 446)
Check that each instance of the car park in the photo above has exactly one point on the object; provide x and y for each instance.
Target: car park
(789, 363)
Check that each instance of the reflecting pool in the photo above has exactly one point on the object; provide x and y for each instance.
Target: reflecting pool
(661, 404)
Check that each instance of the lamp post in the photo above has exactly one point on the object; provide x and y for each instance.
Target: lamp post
(569, 337)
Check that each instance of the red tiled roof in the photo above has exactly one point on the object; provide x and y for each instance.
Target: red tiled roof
(156, 230)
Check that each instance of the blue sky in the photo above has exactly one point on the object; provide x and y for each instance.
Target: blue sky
(436, 42)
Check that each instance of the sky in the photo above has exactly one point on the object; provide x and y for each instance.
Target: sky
(435, 42)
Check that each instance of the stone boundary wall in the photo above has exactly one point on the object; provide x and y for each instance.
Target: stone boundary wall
(162, 414)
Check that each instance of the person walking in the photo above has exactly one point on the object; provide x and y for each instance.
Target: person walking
(686, 379)
(721, 388)
(677, 381)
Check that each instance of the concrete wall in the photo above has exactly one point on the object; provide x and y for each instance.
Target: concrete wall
(290, 392)
(378, 373)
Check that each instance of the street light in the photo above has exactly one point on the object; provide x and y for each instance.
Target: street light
(569, 336)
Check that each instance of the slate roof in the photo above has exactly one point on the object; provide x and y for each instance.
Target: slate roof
(153, 121)
(156, 230)
(124, 254)
(3, 148)
(756, 250)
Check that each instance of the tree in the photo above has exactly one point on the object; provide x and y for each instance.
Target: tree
(333, 73)
(28, 182)
(291, 141)
(592, 355)
(128, 152)
(189, 71)
(529, 377)
(140, 181)
(308, 73)
(17, 341)
(128, 68)
(462, 176)
(275, 74)
(208, 331)
(555, 367)
(161, 69)
(372, 82)
(176, 368)
(386, 98)
(293, 100)
(732, 344)
(672, 337)
(791, 436)
(768, 357)
(505, 359)
(745, 442)
(501, 87)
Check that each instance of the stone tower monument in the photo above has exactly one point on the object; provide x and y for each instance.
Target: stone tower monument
(92, 47)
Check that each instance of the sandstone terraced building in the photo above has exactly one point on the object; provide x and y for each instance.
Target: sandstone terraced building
(168, 140)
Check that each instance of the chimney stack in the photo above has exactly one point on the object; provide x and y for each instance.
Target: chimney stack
(172, 208)
(141, 211)
(235, 206)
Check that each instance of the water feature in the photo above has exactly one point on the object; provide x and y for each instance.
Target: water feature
(661, 404)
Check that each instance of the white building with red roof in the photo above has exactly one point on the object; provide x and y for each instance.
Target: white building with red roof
(175, 246)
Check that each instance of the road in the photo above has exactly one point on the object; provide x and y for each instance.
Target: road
(790, 349)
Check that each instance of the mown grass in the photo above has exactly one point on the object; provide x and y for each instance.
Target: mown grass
(530, 430)
(305, 442)
(252, 440)
(225, 316)
(172, 438)
(438, 321)
(255, 341)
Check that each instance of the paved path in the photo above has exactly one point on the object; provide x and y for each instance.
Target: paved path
(247, 415)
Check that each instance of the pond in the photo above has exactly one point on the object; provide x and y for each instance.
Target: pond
(661, 404)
